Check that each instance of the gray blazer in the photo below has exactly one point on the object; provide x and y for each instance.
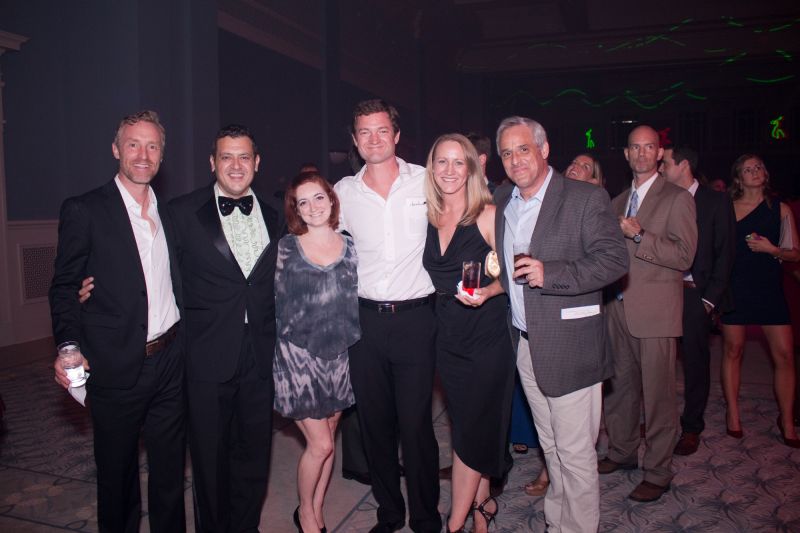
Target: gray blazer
(579, 241)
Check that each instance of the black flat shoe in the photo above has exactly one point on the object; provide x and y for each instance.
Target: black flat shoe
(296, 518)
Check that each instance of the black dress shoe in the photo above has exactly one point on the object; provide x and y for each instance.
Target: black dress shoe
(687, 444)
(606, 466)
(387, 527)
(647, 492)
(359, 477)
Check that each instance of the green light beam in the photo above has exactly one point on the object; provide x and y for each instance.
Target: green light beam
(773, 80)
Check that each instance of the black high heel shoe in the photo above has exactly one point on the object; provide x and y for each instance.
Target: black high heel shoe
(296, 518)
(488, 516)
(791, 443)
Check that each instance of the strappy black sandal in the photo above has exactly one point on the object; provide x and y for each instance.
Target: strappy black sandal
(488, 516)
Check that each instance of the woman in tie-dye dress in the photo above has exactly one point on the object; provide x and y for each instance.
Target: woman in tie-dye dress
(317, 318)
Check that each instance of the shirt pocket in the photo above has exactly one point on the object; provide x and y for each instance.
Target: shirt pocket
(415, 215)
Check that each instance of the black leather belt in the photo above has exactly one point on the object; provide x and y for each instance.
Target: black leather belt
(160, 343)
(523, 334)
(396, 306)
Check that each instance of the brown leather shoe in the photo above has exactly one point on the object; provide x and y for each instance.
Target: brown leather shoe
(687, 444)
(606, 466)
(647, 492)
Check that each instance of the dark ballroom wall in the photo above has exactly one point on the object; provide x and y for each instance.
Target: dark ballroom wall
(87, 64)
(717, 111)
(278, 98)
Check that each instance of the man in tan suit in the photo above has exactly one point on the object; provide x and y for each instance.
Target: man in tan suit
(644, 320)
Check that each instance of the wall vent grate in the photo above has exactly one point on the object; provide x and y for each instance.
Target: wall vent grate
(37, 270)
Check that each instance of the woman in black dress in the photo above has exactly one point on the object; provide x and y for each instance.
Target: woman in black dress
(765, 236)
(474, 355)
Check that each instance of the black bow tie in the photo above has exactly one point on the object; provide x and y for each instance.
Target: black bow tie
(226, 205)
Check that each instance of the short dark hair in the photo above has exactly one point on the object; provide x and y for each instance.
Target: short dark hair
(142, 116)
(684, 153)
(376, 105)
(294, 221)
(233, 130)
(482, 144)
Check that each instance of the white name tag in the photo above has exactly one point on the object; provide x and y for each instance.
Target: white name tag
(580, 312)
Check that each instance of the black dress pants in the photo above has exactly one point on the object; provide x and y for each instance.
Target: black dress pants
(392, 369)
(230, 435)
(154, 409)
(696, 360)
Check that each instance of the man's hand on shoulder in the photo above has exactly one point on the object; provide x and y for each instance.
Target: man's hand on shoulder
(85, 292)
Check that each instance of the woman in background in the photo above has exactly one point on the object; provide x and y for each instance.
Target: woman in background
(474, 356)
(316, 306)
(765, 235)
(586, 168)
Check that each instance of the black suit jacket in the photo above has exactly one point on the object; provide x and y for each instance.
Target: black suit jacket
(95, 238)
(716, 230)
(216, 292)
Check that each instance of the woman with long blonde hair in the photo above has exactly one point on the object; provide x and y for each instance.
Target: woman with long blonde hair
(475, 359)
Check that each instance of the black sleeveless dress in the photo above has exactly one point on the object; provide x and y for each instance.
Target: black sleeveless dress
(474, 356)
(757, 280)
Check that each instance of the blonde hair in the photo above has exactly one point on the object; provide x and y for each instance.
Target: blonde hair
(736, 188)
(476, 191)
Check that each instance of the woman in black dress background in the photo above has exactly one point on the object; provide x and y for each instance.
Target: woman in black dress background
(475, 359)
(757, 291)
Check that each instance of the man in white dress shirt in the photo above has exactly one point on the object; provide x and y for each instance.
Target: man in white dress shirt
(129, 330)
(392, 366)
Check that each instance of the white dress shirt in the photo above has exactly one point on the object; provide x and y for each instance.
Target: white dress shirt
(247, 235)
(162, 311)
(641, 192)
(521, 216)
(389, 234)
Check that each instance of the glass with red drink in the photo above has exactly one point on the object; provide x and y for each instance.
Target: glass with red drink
(470, 276)
(521, 249)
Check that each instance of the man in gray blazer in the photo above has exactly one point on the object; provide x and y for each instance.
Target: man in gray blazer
(659, 223)
(576, 248)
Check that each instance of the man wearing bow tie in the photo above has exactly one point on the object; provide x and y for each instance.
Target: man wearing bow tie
(227, 243)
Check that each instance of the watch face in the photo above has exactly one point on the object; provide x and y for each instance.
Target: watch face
(637, 238)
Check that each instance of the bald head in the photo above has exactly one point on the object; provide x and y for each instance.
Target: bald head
(643, 152)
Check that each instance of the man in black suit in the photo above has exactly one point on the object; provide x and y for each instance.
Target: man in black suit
(130, 330)
(705, 287)
(227, 241)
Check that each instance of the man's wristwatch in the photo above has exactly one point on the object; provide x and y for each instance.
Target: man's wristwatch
(638, 237)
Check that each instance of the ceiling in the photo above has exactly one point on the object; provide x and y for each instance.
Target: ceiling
(520, 35)
(383, 45)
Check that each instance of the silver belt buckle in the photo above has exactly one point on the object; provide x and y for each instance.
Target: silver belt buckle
(385, 307)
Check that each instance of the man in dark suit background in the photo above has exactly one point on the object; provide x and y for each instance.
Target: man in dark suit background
(705, 287)
(576, 249)
(227, 248)
(129, 330)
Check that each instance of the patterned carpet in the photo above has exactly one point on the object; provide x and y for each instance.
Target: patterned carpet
(47, 472)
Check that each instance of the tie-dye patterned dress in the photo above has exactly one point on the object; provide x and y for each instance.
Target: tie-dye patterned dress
(316, 309)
